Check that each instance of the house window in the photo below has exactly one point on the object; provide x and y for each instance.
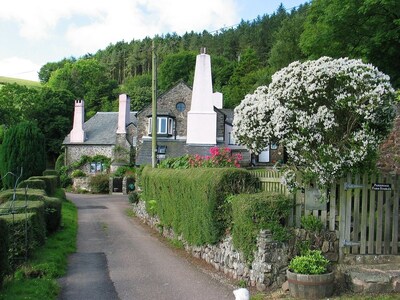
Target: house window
(180, 106)
(96, 167)
(165, 125)
(231, 139)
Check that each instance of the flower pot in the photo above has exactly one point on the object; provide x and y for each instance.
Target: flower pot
(310, 286)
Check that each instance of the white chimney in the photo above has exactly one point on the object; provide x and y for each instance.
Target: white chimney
(77, 135)
(124, 113)
(202, 119)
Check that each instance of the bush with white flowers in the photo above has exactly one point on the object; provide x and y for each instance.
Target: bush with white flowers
(330, 115)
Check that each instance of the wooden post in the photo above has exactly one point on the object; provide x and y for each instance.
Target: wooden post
(154, 108)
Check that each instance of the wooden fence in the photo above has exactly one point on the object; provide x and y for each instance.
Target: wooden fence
(362, 209)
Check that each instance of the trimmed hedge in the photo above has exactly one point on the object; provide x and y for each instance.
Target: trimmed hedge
(52, 183)
(33, 184)
(33, 194)
(4, 246)
(193, 201)
(48, 172)
(43, 217)
(251, 213)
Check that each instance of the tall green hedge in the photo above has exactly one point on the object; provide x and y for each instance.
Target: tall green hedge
(52, 183)
(253, 212)
(4, 246)
(194, 201)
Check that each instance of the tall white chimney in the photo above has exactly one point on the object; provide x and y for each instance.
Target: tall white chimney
(124, 117)
(77, 135)
(202, 119)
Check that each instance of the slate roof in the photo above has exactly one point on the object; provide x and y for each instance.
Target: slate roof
(101, 129)
(229, 113)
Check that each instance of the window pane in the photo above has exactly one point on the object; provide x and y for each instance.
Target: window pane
(162, 122)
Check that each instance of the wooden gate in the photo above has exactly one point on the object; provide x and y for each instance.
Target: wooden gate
(363, 210)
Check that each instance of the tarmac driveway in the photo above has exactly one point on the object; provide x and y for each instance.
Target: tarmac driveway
(117, 258)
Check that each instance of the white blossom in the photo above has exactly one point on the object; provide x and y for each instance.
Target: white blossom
(330, 114)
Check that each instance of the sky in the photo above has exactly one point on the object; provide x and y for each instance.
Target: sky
(34, 33)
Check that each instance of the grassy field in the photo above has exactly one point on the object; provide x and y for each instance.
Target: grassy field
(28, 83)
(37, 279)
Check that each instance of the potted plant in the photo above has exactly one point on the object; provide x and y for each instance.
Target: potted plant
(308, 276)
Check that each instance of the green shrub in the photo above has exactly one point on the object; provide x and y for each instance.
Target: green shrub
(33, 184)
(253, 212)
(310, 263)
(20, 194)
(52, 210)
(133, 197)
(4, 246)
(311, 223)
(60, 162)
(99, 184)
(51, 183)
(78, 173)
(192, 201)
(50, 172)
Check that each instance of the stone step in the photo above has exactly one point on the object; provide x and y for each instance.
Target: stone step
(370, 279)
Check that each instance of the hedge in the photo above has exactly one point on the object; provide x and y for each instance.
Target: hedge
(4, 246)
(33, 194)
(193, 201)
(253, 212)
(52, 183)
(33, 184)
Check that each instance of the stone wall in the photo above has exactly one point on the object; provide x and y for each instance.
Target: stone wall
(268, 270)
(75, 152)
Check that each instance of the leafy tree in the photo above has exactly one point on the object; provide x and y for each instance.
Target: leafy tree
(286, 48)
(46, 70)
(330, 114)
(369, 30)
(176, 67)
(242, 80)
(86, 79)
(139, 90)
(53, 115)
(23, 147)
(16, 103)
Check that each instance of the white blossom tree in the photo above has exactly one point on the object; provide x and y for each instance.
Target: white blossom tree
(330, 115)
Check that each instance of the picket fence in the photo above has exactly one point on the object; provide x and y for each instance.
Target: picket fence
(362, 209)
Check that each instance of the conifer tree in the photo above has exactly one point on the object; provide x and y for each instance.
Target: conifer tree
(23, 147)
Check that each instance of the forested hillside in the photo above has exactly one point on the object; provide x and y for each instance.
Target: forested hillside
(243, 57)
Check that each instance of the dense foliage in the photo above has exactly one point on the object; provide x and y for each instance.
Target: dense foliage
(243, 58)
(330, 115)
(312, 262)
(253, 212)
(193, 201)
(23, 148)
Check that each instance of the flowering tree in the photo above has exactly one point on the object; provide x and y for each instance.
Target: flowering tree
(330, 114)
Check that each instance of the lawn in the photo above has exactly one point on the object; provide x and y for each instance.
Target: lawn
(28, 83)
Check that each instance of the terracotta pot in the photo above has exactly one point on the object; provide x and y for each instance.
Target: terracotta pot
(310, 286)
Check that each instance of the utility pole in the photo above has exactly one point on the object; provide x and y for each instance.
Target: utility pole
(154, 108)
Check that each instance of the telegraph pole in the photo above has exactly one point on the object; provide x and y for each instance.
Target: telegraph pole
(154, 108)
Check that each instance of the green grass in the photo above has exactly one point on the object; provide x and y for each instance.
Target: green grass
(28, 83)
(37, 278)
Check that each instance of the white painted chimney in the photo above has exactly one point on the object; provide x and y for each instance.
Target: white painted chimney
(77, 135)
(123, 113)
(202, 119)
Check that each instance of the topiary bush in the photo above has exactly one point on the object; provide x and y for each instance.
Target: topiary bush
(99, 184)
(51, 183)
(33, 184)
(4, 246)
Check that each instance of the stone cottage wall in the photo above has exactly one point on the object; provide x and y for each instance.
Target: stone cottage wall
(270, 260)
(74, 153)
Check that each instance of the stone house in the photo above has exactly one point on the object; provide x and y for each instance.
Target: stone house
(189, 121)
(109, 134)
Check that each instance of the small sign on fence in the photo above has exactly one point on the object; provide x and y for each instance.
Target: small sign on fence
(314, 199)
(381, 187)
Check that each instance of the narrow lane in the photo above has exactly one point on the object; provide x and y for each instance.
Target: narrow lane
(119, 259)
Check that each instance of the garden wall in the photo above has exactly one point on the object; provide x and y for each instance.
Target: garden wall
(271, 259)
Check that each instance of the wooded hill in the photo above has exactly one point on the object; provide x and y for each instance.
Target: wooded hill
(243, 57)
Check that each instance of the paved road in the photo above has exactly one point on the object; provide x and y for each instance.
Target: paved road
(117, 258)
